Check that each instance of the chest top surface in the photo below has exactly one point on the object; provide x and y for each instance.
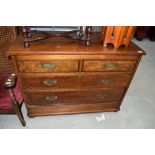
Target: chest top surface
(63, 45)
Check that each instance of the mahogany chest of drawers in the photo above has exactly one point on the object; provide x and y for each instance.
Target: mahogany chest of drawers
(58, 76)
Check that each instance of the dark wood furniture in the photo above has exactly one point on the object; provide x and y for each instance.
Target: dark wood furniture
(60, 76)
(37, 33)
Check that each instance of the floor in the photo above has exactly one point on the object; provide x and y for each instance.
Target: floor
(137, 110)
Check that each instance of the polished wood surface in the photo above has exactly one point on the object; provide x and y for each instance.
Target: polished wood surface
(73, 97)
(72, 109)
(49, 82)
(101, 56)
(60, 46)
(104, 80)
(60, 76)
(47, 66)
(106, 66)
(63, 81)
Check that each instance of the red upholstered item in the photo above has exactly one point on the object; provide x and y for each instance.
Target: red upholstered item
(5, 101)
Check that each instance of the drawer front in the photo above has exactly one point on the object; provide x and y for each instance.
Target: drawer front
(101, 95)
(104, 80)
(74, 97)
(72, 108)
(47, 66)
(99, 66)
(49, 82)
(72, 82)
(51, 98)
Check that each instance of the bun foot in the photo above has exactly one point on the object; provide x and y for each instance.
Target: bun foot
(30, 116)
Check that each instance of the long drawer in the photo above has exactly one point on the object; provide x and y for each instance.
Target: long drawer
(69, 97)
(47, 82)
(108, 66)
(29, 66)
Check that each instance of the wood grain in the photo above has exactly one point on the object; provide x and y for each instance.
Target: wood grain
(38, 66)
(37, 82)
(108, 66)
(104, 80)
(73, 97)
(77, 81)
(63, 46)
(72, 109)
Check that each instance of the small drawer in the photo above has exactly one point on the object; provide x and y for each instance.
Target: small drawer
(108, 66)
(84, 96)
(104, 80)
(49, 82)
(47, 66)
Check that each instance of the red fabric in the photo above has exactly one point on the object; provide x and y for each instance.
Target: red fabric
(5, 101)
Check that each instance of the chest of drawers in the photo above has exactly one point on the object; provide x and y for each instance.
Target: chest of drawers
(69, 77)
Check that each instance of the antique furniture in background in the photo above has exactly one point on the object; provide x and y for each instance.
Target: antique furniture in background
(141, 32)
(58, 76)
(145, 31)
(8, 102)
(117, 35)
(36, 33)
(151, 33)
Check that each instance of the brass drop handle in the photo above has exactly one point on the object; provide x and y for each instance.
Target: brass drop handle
(48, 66)
(101, 96)
(106, 81)
(50, 82)
(110, 66)
(51, 98)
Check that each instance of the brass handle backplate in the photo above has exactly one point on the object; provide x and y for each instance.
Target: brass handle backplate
(48, 66)
(101, 96)
(110, 66)
(106, 81)
(50, 82)
(51, 98)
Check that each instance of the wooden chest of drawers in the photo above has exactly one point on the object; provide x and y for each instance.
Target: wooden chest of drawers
(68, 77)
